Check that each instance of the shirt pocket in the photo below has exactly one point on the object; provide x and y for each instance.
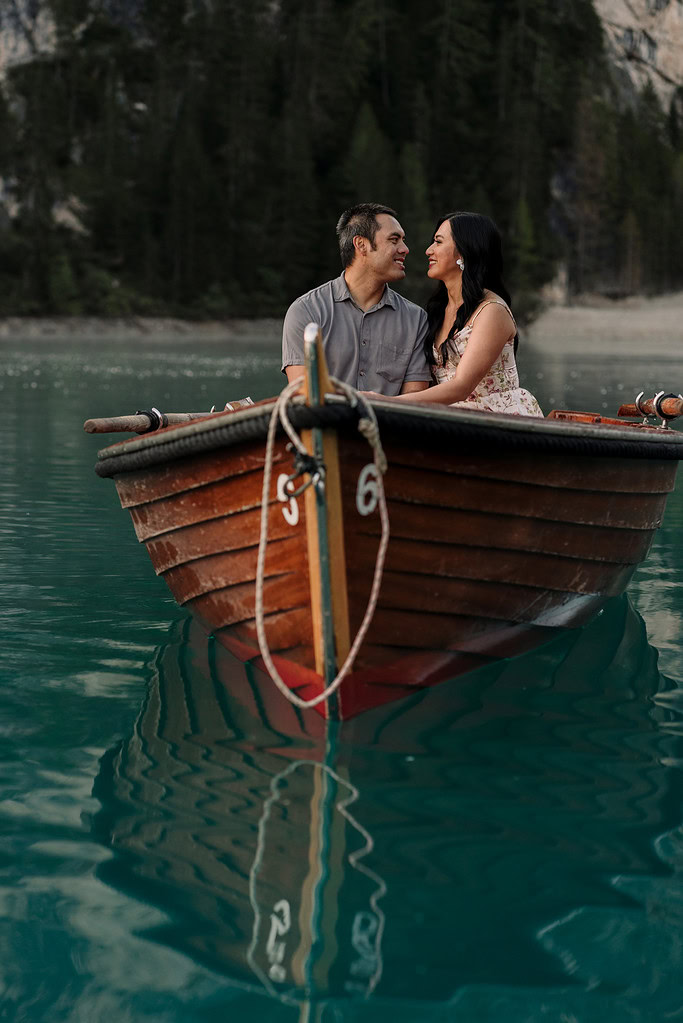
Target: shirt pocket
(393, 359)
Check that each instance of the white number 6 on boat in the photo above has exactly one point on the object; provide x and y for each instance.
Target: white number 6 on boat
(367, 491)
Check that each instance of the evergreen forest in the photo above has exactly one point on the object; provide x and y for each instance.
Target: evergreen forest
(191, 157)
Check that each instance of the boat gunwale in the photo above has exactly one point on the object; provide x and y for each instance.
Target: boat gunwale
(483, 430)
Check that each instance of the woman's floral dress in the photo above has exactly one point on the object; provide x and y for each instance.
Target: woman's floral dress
(499, 391)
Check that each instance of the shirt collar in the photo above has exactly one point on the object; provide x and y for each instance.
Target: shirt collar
(340, 291)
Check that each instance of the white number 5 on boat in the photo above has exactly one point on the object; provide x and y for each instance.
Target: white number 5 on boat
(291, 509)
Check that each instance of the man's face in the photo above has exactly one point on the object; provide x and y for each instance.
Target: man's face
(386, 259)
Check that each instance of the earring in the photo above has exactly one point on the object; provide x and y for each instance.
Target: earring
(460, 263)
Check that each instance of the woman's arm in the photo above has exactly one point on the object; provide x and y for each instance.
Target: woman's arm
(492, 329)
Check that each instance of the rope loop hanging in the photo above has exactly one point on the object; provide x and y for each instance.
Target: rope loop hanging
(367, 426)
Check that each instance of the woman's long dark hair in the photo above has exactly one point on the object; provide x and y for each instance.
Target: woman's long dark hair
(477, 239)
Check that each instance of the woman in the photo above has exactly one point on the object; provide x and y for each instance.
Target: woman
(472, 335)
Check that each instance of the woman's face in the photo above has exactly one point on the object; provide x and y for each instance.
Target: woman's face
(442, 254)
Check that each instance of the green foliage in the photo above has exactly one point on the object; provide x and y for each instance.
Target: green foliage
(524, 261)
(208, 149)
(369, 163)
(103, 295)
(62, 288)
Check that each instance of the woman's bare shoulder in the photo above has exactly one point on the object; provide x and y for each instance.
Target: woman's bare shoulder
(493, 307)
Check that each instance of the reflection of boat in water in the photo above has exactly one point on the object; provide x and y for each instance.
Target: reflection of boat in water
(403, 854)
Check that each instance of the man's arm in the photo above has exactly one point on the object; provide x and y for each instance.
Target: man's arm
(418, 366)
(296, 319)
(409, 386)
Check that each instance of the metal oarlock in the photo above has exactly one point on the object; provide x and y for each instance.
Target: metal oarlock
(663, 405)
(157, 419)
(640, 408)
(663, 414)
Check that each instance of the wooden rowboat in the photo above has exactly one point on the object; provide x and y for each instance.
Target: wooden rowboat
(497, 530)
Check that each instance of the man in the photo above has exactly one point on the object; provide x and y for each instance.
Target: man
(373, 337)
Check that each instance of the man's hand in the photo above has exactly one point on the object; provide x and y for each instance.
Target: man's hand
(410, 386)
(294, 372)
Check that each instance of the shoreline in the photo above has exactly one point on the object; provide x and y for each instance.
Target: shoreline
(636, 323)
(595, 325)
(149, 328)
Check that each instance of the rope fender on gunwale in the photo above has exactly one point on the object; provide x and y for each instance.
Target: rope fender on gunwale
(480, 432)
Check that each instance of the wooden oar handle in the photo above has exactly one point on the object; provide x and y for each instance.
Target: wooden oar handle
(666, 406)
(139, 423)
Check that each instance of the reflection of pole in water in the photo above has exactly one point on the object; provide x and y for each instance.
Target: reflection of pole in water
(299, 950)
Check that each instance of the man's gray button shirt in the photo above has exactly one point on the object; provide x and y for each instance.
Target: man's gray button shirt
(376, 350)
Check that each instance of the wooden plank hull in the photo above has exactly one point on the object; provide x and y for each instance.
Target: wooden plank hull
(490, 550)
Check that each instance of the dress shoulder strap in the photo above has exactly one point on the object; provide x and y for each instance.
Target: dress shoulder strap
(493, 301)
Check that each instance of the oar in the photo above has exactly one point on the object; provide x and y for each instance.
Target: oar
(141, 422)
(148, 420)
(666, 406)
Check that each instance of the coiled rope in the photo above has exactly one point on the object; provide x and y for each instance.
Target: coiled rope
(367, 426)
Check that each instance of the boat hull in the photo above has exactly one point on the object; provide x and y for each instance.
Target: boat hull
(492, 547)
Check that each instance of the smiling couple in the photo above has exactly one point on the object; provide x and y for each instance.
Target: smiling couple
(460, 350)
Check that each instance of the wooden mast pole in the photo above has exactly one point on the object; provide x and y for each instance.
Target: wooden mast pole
(325, 527)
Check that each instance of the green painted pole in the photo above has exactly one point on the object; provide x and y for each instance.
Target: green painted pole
(316, 400)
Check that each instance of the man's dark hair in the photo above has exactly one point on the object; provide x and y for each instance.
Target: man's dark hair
(358, 220)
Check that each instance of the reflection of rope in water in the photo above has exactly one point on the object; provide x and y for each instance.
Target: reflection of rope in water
(354, 861)
(280, 923)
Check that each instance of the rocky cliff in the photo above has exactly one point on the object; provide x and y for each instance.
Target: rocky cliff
(645, 41)
(27, 29)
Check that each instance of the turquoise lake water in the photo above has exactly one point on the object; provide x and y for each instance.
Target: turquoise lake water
(508, 848)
